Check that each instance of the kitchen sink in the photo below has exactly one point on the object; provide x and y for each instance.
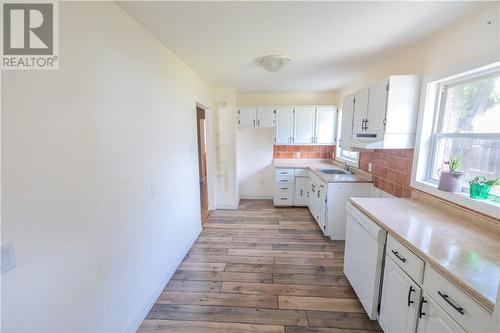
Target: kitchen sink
(333, 171)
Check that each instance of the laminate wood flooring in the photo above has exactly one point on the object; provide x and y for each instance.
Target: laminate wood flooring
(260, 269)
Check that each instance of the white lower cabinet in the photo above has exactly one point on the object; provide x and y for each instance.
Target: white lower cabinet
(400, 300)
(442, 308)
(433, 319)
(301, 189)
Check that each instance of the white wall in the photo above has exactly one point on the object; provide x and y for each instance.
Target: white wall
(99, 175)
(468, 40)
(289, 98)
(255, 147)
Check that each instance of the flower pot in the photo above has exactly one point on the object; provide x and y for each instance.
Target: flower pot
(479, 190)
(450, 181)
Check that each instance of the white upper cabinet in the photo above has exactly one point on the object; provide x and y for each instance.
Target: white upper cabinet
(293, 125)
(360, 110)
(304, 124)
(256, 117)
(385, 114)
(377, 103)
(346, 127)
(325, 126)
(284, 125)
(265, 117)
(247, 117)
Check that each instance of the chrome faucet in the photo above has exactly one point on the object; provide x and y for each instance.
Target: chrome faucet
(347, 168)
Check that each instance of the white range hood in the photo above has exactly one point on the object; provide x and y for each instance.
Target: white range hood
(382, 141)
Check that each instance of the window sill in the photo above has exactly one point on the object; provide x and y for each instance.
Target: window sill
(490, 207)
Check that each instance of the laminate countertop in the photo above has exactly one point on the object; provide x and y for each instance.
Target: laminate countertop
(316, 165)
(467, 253)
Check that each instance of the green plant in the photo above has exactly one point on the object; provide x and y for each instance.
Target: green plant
(483, 180)
(452, 164)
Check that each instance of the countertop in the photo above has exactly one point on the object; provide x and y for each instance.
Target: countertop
(466, 253)
(315, 165)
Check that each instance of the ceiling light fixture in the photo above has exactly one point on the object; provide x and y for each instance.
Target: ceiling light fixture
(274, 63)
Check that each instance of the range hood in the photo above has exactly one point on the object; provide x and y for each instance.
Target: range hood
(370, 141)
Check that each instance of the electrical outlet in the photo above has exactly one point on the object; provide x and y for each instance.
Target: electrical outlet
(8, 258)
(297, 154)
(154, 191)
(369, 167)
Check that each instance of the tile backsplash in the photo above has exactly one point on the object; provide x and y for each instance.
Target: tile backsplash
(391, 169)
(304, 151)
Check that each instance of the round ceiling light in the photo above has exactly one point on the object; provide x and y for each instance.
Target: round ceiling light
(274, 63)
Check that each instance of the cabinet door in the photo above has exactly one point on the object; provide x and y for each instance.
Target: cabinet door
(313, 202)
(265, 117)
(325, 124)
(321, 197)
(399, 301)
(304, 124)
(247, 117)
(284, 125)
(360, 110)
(377, 103)
(301, 188)
(346, 128)
(436, 320)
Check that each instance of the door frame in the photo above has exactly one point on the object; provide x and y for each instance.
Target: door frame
(210, 152)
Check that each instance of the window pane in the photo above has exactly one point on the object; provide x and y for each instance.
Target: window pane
(478, 157)
(346, 154)
(473, 107)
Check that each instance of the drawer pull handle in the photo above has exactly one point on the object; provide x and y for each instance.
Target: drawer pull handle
(409, 296)
(283, 180)
(283, 198)
(420, 313)
(396, 253)
(447, 299)
(284, 173)
(284, 188)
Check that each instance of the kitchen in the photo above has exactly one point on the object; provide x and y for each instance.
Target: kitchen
(254, 166)
(408, 260)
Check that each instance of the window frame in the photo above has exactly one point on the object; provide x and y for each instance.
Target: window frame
(438, 133)
(431, 112)
(339, 156)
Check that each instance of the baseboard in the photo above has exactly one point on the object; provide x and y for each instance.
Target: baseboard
(256, 197)
(227, 206)
(142, 315)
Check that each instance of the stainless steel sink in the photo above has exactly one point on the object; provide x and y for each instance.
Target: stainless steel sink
(333, 171)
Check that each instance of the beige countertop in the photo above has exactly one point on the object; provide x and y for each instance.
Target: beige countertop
(466, 253)
(314, 166)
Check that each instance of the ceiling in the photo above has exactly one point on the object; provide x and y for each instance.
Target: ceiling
(331, 43)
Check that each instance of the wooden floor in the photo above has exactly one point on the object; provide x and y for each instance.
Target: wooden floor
(260, 269)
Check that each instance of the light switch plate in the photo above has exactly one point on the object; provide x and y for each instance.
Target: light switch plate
(8, 258)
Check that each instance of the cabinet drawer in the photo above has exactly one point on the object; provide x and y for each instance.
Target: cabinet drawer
(469, 314)
(285, 180)
(407, 260)
(301, 173)
(283, 198)
(284, 172)
(283, 188)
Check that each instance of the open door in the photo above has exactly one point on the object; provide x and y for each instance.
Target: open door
(202, 161)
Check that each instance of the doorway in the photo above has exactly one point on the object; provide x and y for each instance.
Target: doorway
(202, 162)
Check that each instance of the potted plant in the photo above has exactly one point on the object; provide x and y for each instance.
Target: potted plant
(450, 180)
(479, 187)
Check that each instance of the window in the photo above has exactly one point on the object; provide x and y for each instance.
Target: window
(467, 126)
(344, 155)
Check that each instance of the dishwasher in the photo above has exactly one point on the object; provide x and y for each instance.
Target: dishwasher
(363, 259)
